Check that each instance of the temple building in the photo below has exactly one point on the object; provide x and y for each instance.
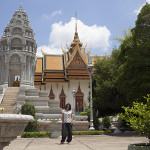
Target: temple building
(60, 74)
(57, 74)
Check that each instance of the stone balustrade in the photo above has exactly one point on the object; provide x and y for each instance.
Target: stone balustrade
(11, 126)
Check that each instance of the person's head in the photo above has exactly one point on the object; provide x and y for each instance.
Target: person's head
(68, 106)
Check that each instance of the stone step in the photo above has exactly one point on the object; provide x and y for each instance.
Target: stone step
(4, 104)
(9, 102)
(9, 99)
(11, 92)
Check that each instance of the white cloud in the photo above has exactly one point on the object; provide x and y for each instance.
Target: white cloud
(55, 13)
(48, 49)
(58, 12)
(137, 11)
(95, 36)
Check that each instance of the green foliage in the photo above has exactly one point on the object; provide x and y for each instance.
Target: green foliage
(106, 98)
(138, 117)
(36, 134)
(53, 120)
(48, 134)
(86, 113)
(29, 109)
(88, 132)
(95, 118)
(83, 113)
(134, 56)
(106, 122)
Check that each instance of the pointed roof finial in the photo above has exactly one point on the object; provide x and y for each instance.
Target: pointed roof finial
(76, 21)
(76, 40)
(20, 8)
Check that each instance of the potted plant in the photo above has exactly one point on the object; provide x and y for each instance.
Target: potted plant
(138, 117)
(2, 110)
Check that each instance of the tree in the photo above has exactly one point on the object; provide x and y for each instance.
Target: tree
(106, 98)
(138, 117)
(134, 59)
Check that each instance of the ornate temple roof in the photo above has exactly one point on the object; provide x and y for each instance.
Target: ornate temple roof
(72, 64)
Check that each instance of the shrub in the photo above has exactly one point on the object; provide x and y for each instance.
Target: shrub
(29, 109)
(106, 122)
(95, 119)
(83, 113)
(88, 132)
(36, 134)
(48, 134)
(138, 117)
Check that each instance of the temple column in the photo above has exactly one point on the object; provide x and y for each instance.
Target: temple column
(57, 87)
(22, 78)
(6, 75)
(27, 70)
(0, 71)
(32, 75)
(69, 92)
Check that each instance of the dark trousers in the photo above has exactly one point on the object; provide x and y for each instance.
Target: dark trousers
(66, 127)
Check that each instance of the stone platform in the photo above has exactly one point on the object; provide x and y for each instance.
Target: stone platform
(94, 142)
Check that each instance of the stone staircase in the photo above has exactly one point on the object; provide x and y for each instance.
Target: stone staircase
(9, 100)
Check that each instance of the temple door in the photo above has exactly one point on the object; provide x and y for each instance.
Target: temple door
(62, 102)
(79, 100)
(79, 103)
(62, 98)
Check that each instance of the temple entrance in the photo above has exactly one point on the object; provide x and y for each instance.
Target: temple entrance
(14, 71)
(14, 79)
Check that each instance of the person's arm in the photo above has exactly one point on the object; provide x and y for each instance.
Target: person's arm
(71, 118)
(62, 117)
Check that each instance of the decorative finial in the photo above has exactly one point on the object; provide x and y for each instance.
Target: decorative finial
(20, 8)
(42, 51)
(76, 21)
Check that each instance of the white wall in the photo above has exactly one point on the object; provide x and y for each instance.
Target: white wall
(68, 88)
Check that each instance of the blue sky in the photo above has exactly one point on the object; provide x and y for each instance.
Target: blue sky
(99, 21)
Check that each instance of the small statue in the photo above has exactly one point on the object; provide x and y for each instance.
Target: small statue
(17, 108)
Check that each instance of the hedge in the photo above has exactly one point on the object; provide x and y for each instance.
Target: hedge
(48, 134)
(88, 132)
(36, 134)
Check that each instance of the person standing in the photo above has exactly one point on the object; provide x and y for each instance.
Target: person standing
(67, 121)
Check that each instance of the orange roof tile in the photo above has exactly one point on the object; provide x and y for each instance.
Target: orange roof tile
(54, 62)
(39, 65)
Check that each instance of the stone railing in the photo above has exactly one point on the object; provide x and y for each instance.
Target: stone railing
(1, 93)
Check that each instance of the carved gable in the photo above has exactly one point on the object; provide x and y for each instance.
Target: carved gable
(77, 62)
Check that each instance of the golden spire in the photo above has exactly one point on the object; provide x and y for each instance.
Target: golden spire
(76, 37)
(76, 22)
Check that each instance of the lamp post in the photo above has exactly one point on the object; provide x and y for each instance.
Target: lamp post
(90, 70)
(73, 93)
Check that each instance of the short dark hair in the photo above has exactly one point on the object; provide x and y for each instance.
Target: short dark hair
(68, 104)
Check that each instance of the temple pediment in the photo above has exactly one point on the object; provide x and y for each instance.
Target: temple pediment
(77, 62)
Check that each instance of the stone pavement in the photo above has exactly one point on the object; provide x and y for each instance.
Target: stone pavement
(89, 142)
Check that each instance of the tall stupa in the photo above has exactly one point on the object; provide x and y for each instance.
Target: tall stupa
(18, 52)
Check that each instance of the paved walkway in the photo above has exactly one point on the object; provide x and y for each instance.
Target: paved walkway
(94, 142)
